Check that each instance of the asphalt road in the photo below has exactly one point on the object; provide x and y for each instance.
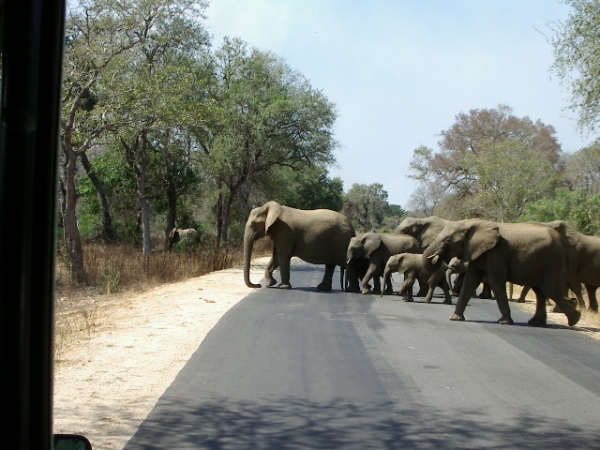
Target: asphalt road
(305, 369)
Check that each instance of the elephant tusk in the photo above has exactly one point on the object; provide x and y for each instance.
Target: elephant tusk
(432, 256)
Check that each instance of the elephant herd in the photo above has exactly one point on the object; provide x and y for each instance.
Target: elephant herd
(548, 258)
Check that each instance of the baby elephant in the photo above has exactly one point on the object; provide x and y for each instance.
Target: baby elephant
(413, 267)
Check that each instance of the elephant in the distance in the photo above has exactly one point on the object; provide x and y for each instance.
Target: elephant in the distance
(414, 268)
(184, 237)
(378, 247)
(318, 236)
(528, 254)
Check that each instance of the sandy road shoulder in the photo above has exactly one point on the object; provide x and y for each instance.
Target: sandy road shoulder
(107, 382)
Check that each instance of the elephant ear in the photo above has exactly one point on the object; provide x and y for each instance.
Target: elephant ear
(481, 237)
(273, 212)
(371, 242)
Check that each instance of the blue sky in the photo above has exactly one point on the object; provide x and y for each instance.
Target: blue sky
(400, 71)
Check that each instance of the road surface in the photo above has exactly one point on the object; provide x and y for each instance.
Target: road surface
(306, 369)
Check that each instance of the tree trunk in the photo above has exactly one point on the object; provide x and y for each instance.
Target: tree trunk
(108, 232)
(219, 214)
(146, 248)
(226, 219)
(72, 236)
(172, 208)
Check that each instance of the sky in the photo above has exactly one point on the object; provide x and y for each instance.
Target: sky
(400, 71)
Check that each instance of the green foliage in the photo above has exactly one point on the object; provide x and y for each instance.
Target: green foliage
(120, 190)
(313, 189)
(509, 176)
(582, 169)
(366, 206)
(576, 44)
(577, 208)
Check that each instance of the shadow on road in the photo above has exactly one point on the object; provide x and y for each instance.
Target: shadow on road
(292, 423)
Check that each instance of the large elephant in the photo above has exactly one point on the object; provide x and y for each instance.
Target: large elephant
(378, 247)
(414, 268)
(318, 236)
(523, 253)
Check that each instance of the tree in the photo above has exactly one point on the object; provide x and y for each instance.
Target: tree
(509, 176)
(268, 116)
(448, 175)
(313, 189)
(582, 169)
(580, 210)
(100, 38)
(366, 205)
(576, 44)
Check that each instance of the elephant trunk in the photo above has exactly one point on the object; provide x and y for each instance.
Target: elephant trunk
(248, 245)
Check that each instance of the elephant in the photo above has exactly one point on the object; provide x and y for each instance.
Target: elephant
(378, 247)
(459, 267)
(318, 236)
(584, 263)
(187, 237)
(414, 268)
(528, 254)
(355, 272)
(425, 230)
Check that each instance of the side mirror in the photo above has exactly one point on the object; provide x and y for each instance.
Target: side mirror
(71, 442)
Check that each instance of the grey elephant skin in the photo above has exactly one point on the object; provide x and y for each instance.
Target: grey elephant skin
(413, 267)
(584, 263)
(522, 253)
(377, 248)
(458, 267)
(318, 236)
(426, 230)
(187, 237)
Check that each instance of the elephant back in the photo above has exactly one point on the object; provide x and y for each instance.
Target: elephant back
(401, 243)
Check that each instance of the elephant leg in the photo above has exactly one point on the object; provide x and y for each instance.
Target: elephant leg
(429, 295)
(591, 292)
(352, 277)
(471, 280)
(423, 289)
(458, 282)
(486, 291)
(449, 282)
(406, 288)
(325, 285)
(524, 293)
(565, 305)
(540, 316)
(284, 270)
(376, 284)
(510, 291)
(447, 295)
(576, 288)
(271, 266)
(371, 271)
(499, 290)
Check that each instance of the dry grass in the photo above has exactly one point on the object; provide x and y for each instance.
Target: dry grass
(589, 322)
(116, 269)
